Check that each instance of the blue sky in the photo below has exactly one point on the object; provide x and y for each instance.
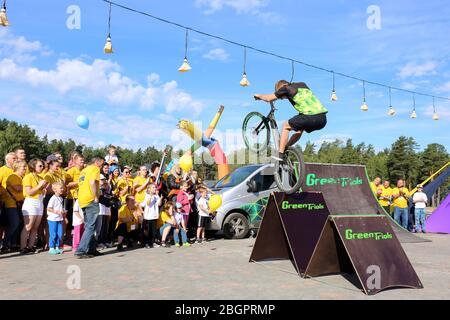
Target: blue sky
(50, 74)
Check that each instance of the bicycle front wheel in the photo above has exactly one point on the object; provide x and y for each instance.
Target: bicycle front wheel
(256, 132)
(289, 174)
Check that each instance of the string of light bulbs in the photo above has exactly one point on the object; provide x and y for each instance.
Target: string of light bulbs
(245, 82)
(108, 49)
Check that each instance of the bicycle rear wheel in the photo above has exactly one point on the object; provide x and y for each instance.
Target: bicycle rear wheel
(289, 174)
(256, 132)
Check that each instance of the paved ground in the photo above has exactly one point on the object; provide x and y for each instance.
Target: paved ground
(215, 270)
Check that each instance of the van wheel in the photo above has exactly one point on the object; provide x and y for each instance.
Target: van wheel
(235, 226)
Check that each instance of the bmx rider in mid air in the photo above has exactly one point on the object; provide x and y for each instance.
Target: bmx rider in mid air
(312, 114)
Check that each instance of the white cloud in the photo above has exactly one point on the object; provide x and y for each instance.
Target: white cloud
(102, 78)
(413, 69)
(252, 7)
(444, 88)
(19, 49)
(409, 86)
(217, 54)
(240, 6)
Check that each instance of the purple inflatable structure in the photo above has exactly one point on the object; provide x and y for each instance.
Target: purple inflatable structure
(439, 221)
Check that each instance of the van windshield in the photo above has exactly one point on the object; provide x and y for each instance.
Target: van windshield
(236, 177)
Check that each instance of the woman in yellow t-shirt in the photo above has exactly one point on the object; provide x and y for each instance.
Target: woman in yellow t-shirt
(13, 203)
(125, 185)
(34, 188)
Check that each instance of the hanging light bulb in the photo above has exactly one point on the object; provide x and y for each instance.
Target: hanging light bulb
(414, 114)
(185, 67)
(364, 106)
(244, 81)
(3, 18)
(333, 93)
(391, 111)
(108, 49)
(108, 46)
(435, 115)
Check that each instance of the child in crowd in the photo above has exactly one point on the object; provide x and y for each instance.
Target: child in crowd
(55, 217)
(184, 198)
(111, 158)
(104, 216)
(78, 225)
(203, 212)
(180, 227)
(151, 205)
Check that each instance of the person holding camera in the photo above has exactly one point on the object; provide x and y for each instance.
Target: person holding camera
(104, 215)
(400, 196)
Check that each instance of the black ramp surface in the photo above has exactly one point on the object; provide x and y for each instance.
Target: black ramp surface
(372, 245)
(271, 242)
(303, 216)
(347, 191)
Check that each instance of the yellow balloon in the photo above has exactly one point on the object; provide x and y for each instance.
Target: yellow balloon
(186, 163)
(215, 202)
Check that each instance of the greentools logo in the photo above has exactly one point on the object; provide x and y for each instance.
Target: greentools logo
(312, 180)
(350, 235)
(308, 206)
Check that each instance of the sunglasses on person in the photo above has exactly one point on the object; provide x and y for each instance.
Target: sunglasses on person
(126, 172)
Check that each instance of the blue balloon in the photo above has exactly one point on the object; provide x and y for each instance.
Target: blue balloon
(83, 122)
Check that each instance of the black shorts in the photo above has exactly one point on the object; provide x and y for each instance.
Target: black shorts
(202, 221)
(309, 124)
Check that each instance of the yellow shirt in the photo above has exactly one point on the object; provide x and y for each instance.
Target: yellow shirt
(140, 181)
(122, 184)
(164, 217)
(85, 194)
(385, 192)
(125, 212)
(13, 180)
(401, 202)
(73, 175)
(375, 188)
(5, 172)
(51, 178)
(31, 180)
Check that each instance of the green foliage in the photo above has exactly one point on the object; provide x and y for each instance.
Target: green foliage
(400, 161)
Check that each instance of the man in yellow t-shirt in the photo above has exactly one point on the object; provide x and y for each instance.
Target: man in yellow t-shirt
(5, 172)
(400, 196)
(72, 177)
(376, 186)
(140, 184)
(127, 223)
(386, 196)
(88, 194)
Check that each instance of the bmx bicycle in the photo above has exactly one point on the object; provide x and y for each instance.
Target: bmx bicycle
(257, 130)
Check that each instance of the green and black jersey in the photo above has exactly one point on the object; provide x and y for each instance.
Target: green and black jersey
(302, 98)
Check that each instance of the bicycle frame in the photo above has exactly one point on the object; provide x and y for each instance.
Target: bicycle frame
(271, 121)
